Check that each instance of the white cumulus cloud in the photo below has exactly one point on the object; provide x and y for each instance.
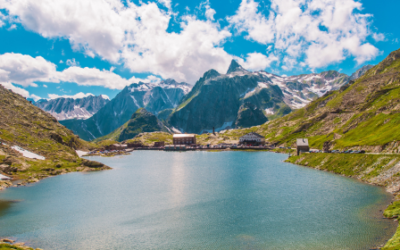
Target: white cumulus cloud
(321, 31)
(25, 70)
(257, 61)
(135, 35)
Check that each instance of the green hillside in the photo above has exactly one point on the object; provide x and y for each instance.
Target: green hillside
(141, 121)
(27, 126)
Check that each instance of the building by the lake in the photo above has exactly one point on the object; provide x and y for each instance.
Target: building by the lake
(302, 145)
(252, 139)
(184, 139)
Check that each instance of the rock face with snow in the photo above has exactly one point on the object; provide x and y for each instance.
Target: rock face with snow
(299, 90)
(216, 98)
(69, 108)
(153, 97)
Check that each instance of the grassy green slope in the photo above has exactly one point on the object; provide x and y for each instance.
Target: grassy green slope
(25, 125)
(141, 121)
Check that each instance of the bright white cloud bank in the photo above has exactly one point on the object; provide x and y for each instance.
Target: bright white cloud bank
(25, 70)
(80, 95)
(134, 34)
(305, 33)
(324, 31)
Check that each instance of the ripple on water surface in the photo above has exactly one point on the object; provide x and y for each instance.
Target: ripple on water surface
(197, 200)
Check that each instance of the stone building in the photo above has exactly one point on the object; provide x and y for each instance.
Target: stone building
(252, 139)
(184, 139)
(302, 145)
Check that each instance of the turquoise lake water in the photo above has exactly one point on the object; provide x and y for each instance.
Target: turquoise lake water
(197, 200)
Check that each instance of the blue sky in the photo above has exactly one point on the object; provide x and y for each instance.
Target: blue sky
(65, 47)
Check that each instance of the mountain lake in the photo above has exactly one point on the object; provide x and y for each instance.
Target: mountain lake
(197, 200)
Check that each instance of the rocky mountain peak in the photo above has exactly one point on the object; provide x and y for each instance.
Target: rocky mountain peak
(170, 81)
(235, 67)
(141, 111)
(211, 74)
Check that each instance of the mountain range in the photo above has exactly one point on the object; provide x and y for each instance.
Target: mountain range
(153, 97)
(73, 108)
(216, 98)
(217, 101)
(364, 114)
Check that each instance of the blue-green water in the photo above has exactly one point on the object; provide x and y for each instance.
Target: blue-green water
(197, 200)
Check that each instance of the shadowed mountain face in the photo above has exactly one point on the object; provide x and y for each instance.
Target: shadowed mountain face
(153, 97)
(249, 115)
(69, 108)
(215, 99)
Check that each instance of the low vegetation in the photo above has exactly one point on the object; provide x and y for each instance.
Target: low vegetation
(24, 125)
(148, 139)
(5, 246)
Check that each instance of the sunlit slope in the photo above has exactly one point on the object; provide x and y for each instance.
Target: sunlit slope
(24, 125)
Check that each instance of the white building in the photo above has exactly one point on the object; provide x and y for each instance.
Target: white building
(252, 139)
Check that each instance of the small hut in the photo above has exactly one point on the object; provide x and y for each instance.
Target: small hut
(302, 145)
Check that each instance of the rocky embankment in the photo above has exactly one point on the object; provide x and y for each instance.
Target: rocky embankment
(23, 170)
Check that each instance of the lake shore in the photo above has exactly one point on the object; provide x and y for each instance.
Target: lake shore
(371, 169)
(291, 160)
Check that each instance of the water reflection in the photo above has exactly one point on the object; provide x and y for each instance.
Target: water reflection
(4, 206)
(178, 166)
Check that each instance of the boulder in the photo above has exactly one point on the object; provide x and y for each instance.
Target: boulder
(92, 164)
(7, 241)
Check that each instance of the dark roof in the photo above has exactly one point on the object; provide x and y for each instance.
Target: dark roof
(253, 133)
